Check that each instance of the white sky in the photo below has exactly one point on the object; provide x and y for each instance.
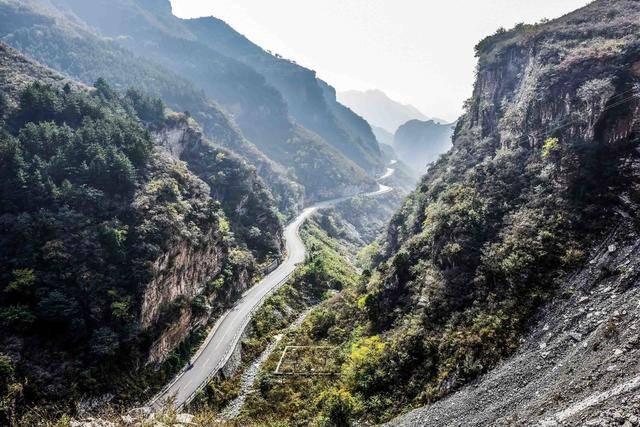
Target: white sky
(417, 51)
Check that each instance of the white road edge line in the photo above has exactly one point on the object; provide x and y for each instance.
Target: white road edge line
(298, 221)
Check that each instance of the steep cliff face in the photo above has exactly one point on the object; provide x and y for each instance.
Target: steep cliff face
(543, 166)
(184, 266)
(236, 185)
(184, 272)
(570, 80)
(548, 76)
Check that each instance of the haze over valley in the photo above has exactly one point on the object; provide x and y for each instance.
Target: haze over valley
(319, 213)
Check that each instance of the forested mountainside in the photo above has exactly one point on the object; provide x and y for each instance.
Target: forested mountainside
(311, 101)
(38, 31)
(418, 143)
(112, 248)
(519, 214)
(55, 36)
(259, 105)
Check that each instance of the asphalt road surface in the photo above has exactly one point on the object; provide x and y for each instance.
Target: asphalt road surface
(226, 333)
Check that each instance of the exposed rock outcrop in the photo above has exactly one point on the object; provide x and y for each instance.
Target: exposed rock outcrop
(182, 272)
(562, 98)
(236, 185)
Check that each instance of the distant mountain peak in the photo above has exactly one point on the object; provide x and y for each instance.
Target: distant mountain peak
(379, 109)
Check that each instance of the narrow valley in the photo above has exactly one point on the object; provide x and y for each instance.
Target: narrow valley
(196, 230)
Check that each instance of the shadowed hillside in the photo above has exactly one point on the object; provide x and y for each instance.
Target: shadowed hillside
(419, 143)
(123, 231)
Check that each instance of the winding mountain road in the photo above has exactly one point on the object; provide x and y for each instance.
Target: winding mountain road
(225, 334)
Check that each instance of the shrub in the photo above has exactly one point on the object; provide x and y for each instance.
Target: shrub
(337, 407)
(22, 284)
(361, 371)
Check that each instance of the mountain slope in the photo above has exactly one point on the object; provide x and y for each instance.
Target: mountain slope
(41, 32)
(311, 101)
(578, 364)
(543, 168)
(379, 109)
(151, 31)
(419, 143)
(113, 250)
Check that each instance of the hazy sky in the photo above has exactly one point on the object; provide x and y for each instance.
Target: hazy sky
(417, 51)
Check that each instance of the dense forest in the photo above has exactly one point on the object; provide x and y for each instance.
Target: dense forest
(91, 203)
(73, 248)
(140, 201)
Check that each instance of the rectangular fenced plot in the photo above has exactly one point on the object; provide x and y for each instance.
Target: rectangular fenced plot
(308, 360)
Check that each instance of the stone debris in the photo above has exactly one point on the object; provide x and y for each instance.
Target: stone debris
(185, 419)
(550, 381)
(576, 336)
(92, 422)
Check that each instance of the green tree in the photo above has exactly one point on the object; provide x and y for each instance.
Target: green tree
(22, 284)
(17, 317)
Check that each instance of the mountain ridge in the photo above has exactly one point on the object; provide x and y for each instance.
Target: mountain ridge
(317, 109)
(419, 143)
(146, 24)
(73, 50)
(380, 110)
(278, 140)
(515, 254)
(504, 290)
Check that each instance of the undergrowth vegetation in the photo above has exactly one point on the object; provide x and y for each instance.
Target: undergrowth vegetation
(324, 273)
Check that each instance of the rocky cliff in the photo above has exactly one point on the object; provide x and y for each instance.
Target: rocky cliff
(113, 248)
(236, 185)
(525, 233)
(184, 266)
